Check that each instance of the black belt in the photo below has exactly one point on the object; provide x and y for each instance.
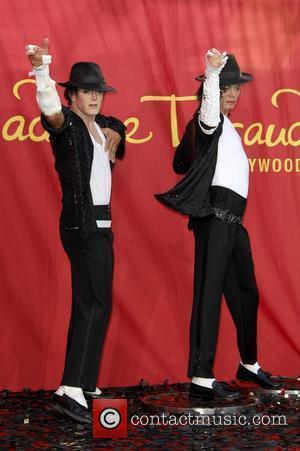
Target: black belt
(226, 216)
(102, 212)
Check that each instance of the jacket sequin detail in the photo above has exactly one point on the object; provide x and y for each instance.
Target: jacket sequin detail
(196, 157)
(73, 151)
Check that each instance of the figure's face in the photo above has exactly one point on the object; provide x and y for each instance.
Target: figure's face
(87, 102)
(229, 97)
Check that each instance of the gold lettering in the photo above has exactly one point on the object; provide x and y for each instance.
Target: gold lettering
(290, 137)
(19, 84)
(252, 162)
(238, 125)
(264, 164)
(136, 124)
(282, 91)
(297, 164)
(280, 138)
(173, 111)
(257, 127)
(288, 165)
(18, 133)
(43, 137)
(276, 165)
(256, 133)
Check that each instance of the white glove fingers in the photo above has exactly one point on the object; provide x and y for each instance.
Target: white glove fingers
(30, 49)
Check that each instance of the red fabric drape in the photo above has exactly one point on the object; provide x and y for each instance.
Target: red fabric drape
(150, 50)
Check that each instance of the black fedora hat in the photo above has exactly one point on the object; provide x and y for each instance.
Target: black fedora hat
(231, 73)
(86, 75)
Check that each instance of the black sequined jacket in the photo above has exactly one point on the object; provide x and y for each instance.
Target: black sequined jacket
(73, 150)
(196, 156)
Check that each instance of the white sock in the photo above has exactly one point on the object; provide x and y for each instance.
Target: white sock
(203, 381)
(60, 391)
(97, 392)
(75, 393)
(253, 368)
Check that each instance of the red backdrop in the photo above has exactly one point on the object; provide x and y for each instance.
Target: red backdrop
(150, 50)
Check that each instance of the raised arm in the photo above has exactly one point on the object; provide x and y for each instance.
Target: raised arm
(46, 95)
(209, 114)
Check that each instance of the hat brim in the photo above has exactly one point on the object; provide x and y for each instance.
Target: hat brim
(244, 77)
(89, 86)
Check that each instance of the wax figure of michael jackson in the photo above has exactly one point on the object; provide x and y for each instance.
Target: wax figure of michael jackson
(214, 194)
(84, 144)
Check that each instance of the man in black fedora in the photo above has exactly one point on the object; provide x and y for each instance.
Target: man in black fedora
(213, 194)
(85, 144)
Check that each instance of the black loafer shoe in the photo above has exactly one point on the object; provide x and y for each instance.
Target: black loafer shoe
(92, 395)
(262, 378)
(219, 390)
(73, 409)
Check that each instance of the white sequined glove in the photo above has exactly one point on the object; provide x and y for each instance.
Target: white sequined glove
(210, 105)
(46, 95)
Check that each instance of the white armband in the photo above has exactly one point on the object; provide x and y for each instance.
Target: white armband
(46, 94)
(210, 105)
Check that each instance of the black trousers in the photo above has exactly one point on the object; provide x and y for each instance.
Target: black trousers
(223, 264)
(91, 269)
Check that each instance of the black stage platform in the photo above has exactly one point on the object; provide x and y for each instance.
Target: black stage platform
(27, 421)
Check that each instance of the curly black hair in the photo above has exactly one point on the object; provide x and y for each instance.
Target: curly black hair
(68, 93)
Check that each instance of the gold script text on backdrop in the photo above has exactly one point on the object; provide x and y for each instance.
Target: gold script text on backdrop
(256, 133)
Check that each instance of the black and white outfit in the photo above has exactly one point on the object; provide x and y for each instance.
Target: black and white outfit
(223, 261)
(213, 194)
(84, 172)
(85, 228)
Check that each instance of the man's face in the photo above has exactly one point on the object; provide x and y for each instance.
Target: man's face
(229, 97)
(87, 102)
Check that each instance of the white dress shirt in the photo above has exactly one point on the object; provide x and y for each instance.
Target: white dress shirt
(232, 168)
(100, 181)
